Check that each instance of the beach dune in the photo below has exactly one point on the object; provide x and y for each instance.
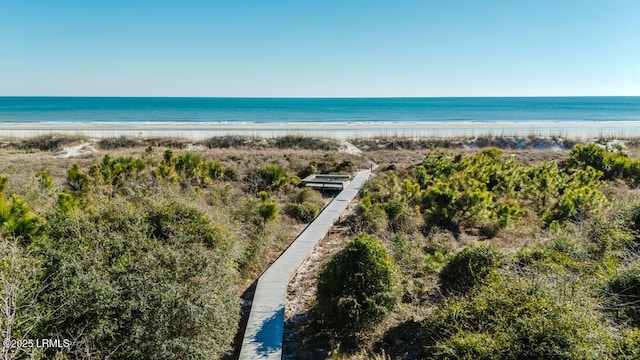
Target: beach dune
(199, 131)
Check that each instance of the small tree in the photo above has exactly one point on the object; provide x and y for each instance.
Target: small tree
(270, 177)
(267, 209)
(358, 286)
(77, 180)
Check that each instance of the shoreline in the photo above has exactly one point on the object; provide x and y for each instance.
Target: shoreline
(193, 131)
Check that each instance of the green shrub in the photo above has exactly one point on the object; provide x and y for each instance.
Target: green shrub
(270, 177)
(345, 166)
(613, 164)
(434, 263)
(628, 347)
(371, 217)
(304, 212)
(215, 170)
(540, 259)
(456, 201)
(400, 215)
(267, 209)
(66, 203)
(307, 170)
(607, 234)
(21, 294)
(466, 345)
(119, 290)
(358, 286)
(575, 204)
(542, 183)
(507, 212)
(515, 318)
(633, 221)
(625, 286)
(77, 180)
(17, 218)
(469, 268)
(4, 182)
(116, 172)
(192, 169)
(588, 155)
(167, 173)
(188, 165)
(307, 194)
(45, 180)
(177, 223)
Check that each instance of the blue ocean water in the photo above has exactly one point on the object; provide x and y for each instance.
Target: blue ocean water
(316, 110)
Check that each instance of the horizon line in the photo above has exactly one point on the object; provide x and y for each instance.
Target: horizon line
(311, 97)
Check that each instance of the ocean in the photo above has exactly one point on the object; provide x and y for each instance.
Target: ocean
(344, 118)
(141, 110)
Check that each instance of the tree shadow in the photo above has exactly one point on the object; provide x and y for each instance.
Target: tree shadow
(404, 341)
(304, 338)
(269, 337)
(245, 309)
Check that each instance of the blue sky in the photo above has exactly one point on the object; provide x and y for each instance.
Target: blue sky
(328, 48)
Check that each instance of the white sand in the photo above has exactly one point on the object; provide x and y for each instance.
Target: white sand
(77, 150)
(569, 130)
(349, 148)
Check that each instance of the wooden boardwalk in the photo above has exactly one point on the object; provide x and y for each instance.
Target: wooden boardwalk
(263, 334)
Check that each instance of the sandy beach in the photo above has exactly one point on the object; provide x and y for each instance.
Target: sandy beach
(195, 131)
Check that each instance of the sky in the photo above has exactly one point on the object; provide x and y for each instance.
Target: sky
(327, 48)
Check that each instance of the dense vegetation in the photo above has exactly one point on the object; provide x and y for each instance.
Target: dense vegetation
(510, 261)
(464, 255)
(143, 256)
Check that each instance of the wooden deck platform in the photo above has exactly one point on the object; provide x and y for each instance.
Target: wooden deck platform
(326, 181)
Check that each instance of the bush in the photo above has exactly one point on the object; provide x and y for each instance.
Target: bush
(628, 346)
(469, 268)
(466, 345)
(371, 217)
(116, 172)
(270, 177)
(46, 142)
(613, 164)
(575, 204)
(121, 291)
(515, 318)
(307, 194)
(77, 180)
(176, 223)
(626, 289)
(358, 286)
(434, 263)
(20, 292)
(633, 219)
(607, 235)
(539, 259)
(17, 218)
(192, 169)
(267, 208)
(304, 212)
